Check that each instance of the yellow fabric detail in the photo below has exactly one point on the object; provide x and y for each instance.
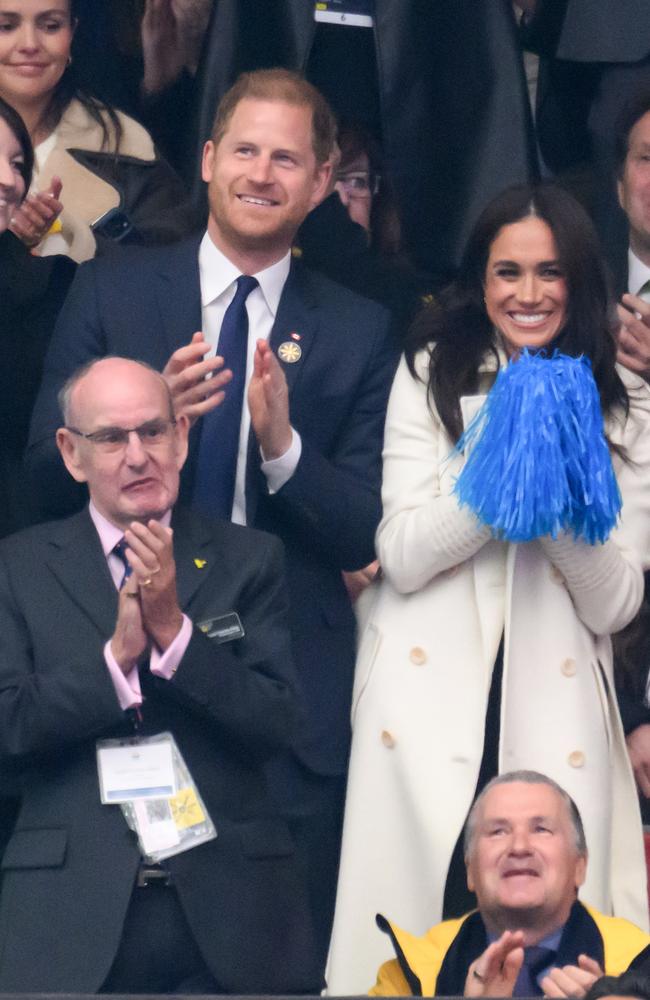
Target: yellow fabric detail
(622, 941)
(424, 956)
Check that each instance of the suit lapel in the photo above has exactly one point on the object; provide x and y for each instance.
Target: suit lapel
(296, 325)
(194, 553)
(178, 292)
(76, 559)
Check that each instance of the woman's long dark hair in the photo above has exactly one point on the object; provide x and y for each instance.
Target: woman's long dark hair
(461, 333)
(12, 119)
(70, 87)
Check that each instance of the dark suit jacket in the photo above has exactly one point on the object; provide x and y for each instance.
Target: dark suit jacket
(455, 119)
(32, 290)
(144, 304)
(69, 869)
(612, 31)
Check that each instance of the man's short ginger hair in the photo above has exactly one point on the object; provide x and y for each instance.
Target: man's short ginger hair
(286, 86)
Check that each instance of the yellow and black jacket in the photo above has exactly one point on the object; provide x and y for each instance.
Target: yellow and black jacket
(436, 964)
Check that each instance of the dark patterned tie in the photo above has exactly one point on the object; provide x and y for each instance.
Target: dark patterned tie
(120, 551)
(214, 485)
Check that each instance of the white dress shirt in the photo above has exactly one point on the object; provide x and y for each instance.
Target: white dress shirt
(637, 275)
(218, 276)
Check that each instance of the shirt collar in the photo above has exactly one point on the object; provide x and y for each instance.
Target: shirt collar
(109, 534)
(551, 941)
(218, 274)
(638, 273)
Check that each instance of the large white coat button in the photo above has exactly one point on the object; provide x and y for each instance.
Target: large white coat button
(568, 667)
(387, 739)
(577, 759)
(418, 656)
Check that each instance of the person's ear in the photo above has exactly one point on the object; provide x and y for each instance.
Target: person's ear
(207, 161)
(68, 445)
(181, 434)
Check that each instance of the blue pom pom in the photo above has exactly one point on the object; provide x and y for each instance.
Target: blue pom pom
(538, 462)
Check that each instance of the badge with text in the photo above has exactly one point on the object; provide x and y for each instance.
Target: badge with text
(224, 628)
(135, 770)
(349, 13)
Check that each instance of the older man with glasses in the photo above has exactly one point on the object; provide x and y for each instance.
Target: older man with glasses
(145, 678)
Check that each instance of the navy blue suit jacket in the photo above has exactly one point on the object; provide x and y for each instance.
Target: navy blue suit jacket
(145, 304)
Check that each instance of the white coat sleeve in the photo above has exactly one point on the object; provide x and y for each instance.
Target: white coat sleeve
(423, 531)
(606, 581)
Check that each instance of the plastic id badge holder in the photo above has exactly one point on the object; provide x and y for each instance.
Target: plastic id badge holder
(148, 778)
(349, 13)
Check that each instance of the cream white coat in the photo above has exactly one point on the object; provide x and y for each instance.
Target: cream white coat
(423, 676)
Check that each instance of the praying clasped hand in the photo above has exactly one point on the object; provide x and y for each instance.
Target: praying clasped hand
(151, 555)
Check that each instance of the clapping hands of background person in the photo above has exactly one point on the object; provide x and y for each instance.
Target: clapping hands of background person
(172, 32)
(33, 219)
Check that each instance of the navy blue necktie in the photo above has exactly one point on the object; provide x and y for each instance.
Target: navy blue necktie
(120, 551)
(536, 959)
(214, 486)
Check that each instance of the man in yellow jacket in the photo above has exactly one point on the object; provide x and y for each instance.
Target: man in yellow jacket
(526, 858)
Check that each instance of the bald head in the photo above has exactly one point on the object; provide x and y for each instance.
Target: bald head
(105, 373)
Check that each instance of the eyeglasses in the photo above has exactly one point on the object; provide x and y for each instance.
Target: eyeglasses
(112, 439)
(359, 183)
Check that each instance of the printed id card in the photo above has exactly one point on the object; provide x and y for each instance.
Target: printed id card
(149, 779)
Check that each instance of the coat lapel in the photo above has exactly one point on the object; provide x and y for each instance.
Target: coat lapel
(76, 559)
(489, 565)
(194, 553)
(296, 323)
(296, 326)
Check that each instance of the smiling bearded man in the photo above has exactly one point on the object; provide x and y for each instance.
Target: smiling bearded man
(526, 859)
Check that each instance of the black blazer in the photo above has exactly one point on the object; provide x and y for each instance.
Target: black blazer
(69, 868)
(32, 290)
(146, 303)
(591, 31)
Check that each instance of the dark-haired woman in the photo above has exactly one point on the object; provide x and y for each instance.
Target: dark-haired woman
(114, 187)
(480, 655)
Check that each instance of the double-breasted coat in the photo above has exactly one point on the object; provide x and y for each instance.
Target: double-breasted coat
(450, 592)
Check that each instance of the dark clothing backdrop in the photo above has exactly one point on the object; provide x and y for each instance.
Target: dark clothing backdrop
(451, 97)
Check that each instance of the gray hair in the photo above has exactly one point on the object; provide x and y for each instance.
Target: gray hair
(67, 389)
(526, 778)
